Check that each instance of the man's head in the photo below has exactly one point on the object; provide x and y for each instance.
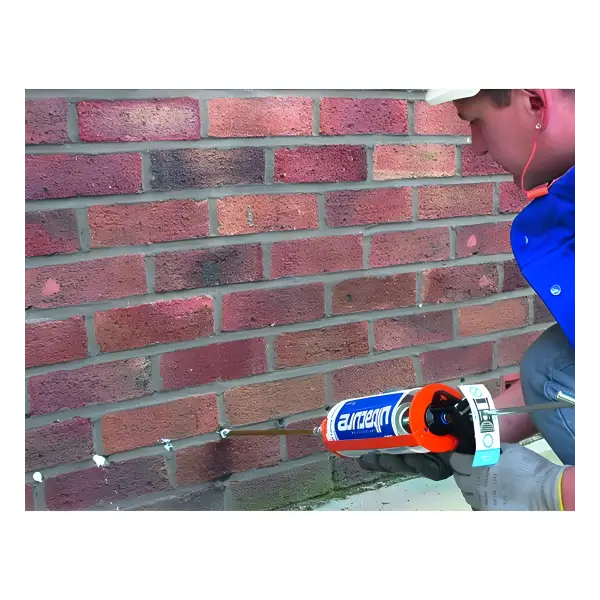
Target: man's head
(507, 123)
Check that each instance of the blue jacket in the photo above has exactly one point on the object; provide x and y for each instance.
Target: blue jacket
(543, 242)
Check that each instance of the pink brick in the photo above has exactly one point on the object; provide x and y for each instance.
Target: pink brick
(439, 120)
(155, 323)
(316, 255)
(304, 445)
(51, 232)
(46, 121)
(512, 198)
(407, 247)
(340, 116)
(320, 164)
(453, 284)
(68, 175)
(411, 161)
(139, 120)
(511, 349)
(97, 384)
(365, 207)
(29, 501)
(59, 443)
(446, 201)
(88, 281)
(259, 117)
(50, 342)
(374, 293)
(442, 365)
(488, 238)
(488, 318)
(118, 481)
(209, 267)
(269, 212)
(473, 164)
(263, 308)
(218, 362)
(413, 330)
(147, 223)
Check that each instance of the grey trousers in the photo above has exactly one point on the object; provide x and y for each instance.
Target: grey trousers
(548, 367)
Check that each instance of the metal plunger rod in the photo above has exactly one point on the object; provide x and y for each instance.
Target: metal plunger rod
(225, 433)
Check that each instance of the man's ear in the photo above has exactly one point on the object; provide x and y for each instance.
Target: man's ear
(537, 103)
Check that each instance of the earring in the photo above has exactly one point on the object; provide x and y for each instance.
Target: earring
(538, 126)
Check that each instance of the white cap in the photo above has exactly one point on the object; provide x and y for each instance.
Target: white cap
(440, 96)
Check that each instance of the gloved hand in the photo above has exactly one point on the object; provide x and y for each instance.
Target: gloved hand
(521, 480)
(431, 466)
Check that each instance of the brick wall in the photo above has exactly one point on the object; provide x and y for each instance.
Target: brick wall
(203, 258)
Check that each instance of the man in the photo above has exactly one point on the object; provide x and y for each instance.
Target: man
(531, 134)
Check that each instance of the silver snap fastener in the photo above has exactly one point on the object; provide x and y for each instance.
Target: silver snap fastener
(555, 290)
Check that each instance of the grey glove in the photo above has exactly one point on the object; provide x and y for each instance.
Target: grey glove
(431, 466)
(521, 480)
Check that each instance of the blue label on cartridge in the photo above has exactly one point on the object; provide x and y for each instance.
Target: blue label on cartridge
(369, 417)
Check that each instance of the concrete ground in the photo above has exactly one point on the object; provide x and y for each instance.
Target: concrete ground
(415, 494)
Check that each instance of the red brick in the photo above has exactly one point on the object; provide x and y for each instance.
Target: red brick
(259, 117)
(374, 378)
(208, 498)
(441, 365)
(87, 281)
(439, 120)
(29, 502)
(320, 164)
(365, 207)
(46, 121)
(107, 382)
(350, 116)
(316, 255)
(446, 201)
(57, 444)
(156, 323)
(275, 399)
(410, 161)
(207, 268)
(473, 164)
(118, 481)
(512, 198)
(278, 490)
(408, 247)
(513, 279)
(211, 461)
(374, 293)
(511, 349)
(505, 314)
(267, 212)
(541, 314)
(139, 120)
(218, 362)
(148, 223)
(51, 232)
(206, 167)
(264, 308)
(69, 175)
(413, 330)
(488, 238)
(50, 342)
(322, 345)
(130, 429)
(452, 284)
(304, 445)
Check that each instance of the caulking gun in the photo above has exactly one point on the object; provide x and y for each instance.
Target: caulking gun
(434, 418)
